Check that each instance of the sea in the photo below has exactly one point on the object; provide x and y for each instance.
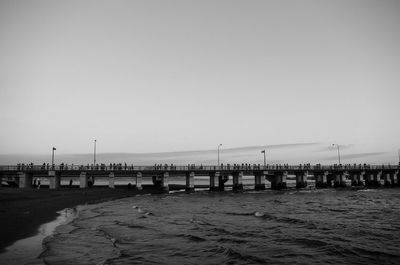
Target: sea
(317, 226)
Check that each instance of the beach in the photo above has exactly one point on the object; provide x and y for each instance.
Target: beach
(22, 211)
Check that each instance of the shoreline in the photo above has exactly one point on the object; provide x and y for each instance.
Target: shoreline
(30, 249)
(24, 211)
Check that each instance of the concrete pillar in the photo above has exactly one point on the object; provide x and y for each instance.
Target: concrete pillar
(164, 182)
(139, 179)
(221, 182)
(378, 178)
(394, 178)
(259, 181)
(340, 180)
(54, 179)
(214, 177)
(189, 181)
(361, 179)
(279, 181)
(322, 180)
(388, 181)
(354, 180)
(111, 180)
(83, 180)
(25, 180)
(237, 181)
(301, 180)
(91, 181)
(337, 182)
(373, 180)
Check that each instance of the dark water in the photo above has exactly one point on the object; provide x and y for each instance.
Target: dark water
(306, 227)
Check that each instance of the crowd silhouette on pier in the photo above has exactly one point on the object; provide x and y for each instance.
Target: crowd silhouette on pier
(242, 166)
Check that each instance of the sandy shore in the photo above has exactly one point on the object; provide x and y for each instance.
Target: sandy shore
(22, 211)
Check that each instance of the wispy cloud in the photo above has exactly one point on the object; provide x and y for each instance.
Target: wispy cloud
(330, 147)
(353, 156)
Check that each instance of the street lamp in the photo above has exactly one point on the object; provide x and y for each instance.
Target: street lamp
(218, 153)
(338, 151)
(265, 160)
(94, 155)
(52, 157)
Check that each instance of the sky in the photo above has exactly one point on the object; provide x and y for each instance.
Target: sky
(146, 77)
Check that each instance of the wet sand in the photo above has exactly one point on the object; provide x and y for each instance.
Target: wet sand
(22, 211)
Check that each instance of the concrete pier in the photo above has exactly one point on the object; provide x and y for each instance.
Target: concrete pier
(259, 179)
(374, 176)
(189, 182)
(237, 181)
(83, 180)
(139, 179)
(25, 179)
(54, 179)
(214, 181)
(111, 180)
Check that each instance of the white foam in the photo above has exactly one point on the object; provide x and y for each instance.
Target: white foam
(258, 214)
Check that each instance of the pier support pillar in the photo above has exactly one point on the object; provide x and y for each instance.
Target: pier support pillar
(237, 181)
(139, 178)
(301, 180)
(388, 180)
(25, 180)
(189, 181)
(279, 181)
(54, 179)
(394, 177)
(340, 180)
(221, 182)
(354, 180)
(357, 180)
(361, 179)
(164, 182)
(374, 180)
(322, 180)
(214, 177)
(111, 180)
(259, 181)
(83, 180)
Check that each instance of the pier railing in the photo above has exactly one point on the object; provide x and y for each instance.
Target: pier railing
(165, 167)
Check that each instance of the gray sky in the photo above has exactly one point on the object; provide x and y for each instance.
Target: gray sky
(160, 76)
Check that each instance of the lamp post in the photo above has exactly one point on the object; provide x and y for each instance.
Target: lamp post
(218, 153)
(338, 151)
(52, 157)
(265, 160)
(94, 154)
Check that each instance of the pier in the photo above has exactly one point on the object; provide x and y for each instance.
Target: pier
(318, 176)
